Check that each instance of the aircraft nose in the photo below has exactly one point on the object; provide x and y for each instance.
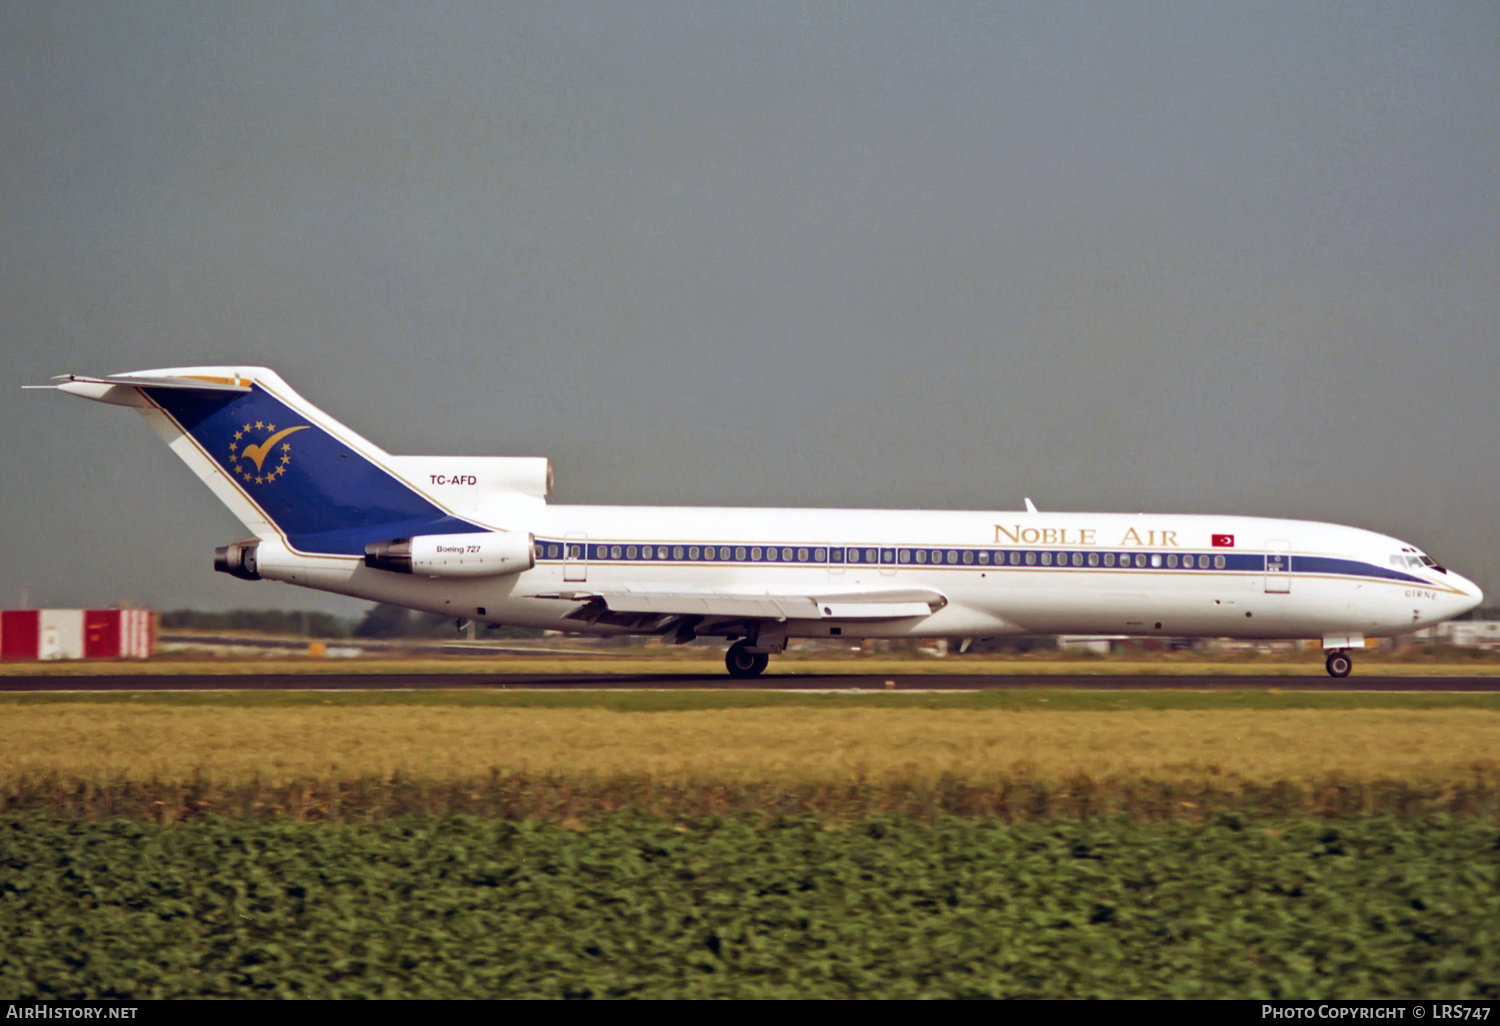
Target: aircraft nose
(1472, 595)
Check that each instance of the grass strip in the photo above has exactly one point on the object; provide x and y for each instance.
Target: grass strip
(776, 745)
(681, 700)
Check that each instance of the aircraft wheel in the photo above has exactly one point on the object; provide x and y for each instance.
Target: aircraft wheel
(742, 664)
(1339, 664)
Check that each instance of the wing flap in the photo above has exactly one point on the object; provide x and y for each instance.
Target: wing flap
(755, 607)
(873, 610)
(869, 605)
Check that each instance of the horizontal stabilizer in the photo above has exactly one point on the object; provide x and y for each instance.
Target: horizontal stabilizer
(195, 384)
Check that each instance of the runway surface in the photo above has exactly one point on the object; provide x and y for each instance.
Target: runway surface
(773, 682)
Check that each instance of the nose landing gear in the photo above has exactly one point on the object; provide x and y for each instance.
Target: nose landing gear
(743, 664)
(1339, 664)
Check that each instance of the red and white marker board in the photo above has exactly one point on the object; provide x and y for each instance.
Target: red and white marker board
(76, 634)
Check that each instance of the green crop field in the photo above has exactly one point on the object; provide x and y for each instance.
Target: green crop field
(641, 907)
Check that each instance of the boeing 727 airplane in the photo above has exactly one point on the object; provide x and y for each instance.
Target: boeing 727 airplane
(474, 538)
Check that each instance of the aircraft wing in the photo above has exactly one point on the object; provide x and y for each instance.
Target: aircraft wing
(845, 605)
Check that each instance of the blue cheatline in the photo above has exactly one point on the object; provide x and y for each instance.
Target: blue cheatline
(322, 494)
(550, 549)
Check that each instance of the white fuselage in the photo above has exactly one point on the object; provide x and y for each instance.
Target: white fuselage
(1001, 573)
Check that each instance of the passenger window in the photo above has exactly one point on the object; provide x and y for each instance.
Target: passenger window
(1140, 559)
(1031, 559)
(984, 558)
(1046, 559)
(573, 551)
(677, 552)
(739, 554)
(614, 552)
(802, 555)
(1156, 560)
(906, 555)
(1078, 559)
(724, 552)
(870, 556)
(1171, 562)
(820, 555)
(1218, 562)
(1093, 559)
(1109, 559)
(708, 552)
(836, 555)
(921, 555)
(692, 552)
(786, 555)
(755, 554)
(1015, 558)
(771, 555)
(968, 557)
(630, 552)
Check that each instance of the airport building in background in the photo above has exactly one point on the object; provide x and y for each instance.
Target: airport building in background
(77, 634)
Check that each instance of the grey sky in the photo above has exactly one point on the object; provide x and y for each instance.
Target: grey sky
(1188, 257)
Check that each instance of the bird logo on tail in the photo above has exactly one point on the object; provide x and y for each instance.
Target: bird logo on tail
(248, 459)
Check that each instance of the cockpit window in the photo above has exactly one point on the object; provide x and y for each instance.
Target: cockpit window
(1416, 560)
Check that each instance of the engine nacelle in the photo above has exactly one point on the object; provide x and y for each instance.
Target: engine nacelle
(455, 555)
(242, 560)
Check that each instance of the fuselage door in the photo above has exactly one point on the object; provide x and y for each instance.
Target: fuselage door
(576, 557)
(1278, 567)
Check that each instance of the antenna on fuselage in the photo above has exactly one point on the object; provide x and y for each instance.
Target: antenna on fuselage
(1030, 506)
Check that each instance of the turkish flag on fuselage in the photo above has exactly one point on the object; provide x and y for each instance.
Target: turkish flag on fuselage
(1223, 541)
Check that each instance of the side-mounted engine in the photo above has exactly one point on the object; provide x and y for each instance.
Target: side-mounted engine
(490, 554)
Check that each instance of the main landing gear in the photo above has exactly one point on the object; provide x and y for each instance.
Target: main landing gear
(1339, 664)
(743, 664)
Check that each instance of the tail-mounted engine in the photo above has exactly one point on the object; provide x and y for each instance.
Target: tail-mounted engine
(455, 555)
(239, 560)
